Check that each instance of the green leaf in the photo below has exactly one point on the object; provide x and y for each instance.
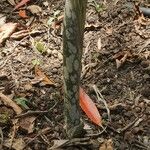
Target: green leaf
(98, 7)
(22, 101)
(40, 46)
(36, 62)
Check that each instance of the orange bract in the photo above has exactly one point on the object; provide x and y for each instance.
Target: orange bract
(89, 107)
(22, 13)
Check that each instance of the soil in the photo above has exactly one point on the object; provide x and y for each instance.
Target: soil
(116, 59)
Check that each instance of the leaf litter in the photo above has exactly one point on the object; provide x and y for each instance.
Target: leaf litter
(117, 43)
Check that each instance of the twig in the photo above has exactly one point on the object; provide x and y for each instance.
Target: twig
(129, 125)
(96, 134)
(86, 68)
(43, 131)
(141, 145)
(112, 107)
(30, 112)
(13, 133)
(101, 99)
(10, 103)
(20, 42)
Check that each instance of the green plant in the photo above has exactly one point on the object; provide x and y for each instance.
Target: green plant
(36, 62)
(98, 7)
(22, 101)
(40, 46)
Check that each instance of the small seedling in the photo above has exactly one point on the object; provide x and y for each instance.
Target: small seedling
(22, 101)
(36, 62)
(98, 7)
(40, 46)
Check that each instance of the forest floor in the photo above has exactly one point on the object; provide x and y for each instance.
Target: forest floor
(116, 60)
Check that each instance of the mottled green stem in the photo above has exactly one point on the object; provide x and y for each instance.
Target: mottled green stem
(74, 21)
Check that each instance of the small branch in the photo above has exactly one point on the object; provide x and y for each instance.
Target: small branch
(11, 103)
(129, 125)
(112, 107)
(101, 99)
(30, 112)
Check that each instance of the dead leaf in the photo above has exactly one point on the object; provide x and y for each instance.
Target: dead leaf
(6, 30)
(18, 144)
(20, 34)
(107, 145)
(141, 20)
(10, 103)
(58, 144)
(139, 17)
(27, 123)
(146, 54)
(120, 62)
(109, 31)
(44, 79)
(37, 80)
(121, 57)
(34, 9)
(24, 33)
(21, 3)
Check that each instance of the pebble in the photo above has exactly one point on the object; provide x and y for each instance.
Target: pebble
(145, 64)
(137, 109)
(49, 51)
(104, 115)
(146, 76)
(60, 56)
(54, 70)
(54, 51)
(146, 92)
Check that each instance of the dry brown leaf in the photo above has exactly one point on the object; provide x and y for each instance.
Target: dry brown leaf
(58, 144)
(21, 3)
(107, 145)
(34, 9)
(6, 30)
(120, 62)
(27, 123)
(18, 144)
(44, 79)
(146, 54)
(139, 17)
(121, 58)
(109, 31)
(20, 34)
(10, 103)
(142, 20)
(24, 33)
